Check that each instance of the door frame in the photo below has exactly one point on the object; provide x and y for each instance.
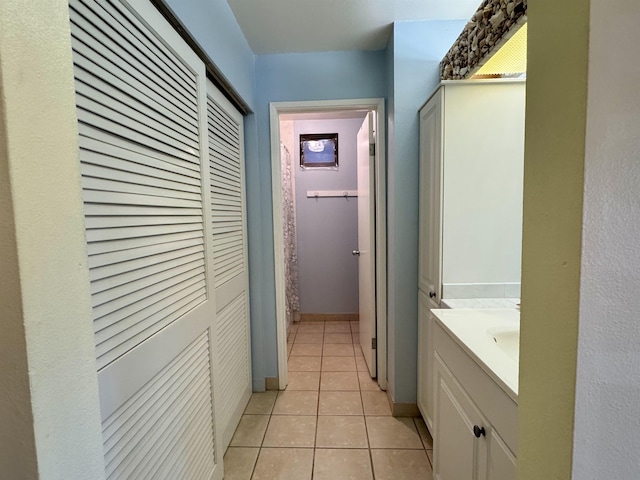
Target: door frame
(317, 106)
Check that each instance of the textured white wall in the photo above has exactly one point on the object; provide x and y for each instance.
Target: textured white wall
(16, 420)
(607, 414)
(46, 253)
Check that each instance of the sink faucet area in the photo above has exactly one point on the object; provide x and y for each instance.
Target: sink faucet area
(507, 339)
(491, 337)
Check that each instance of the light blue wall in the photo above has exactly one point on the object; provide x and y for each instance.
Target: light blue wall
(292, 77)
(405, 74)
(391, 363)
(259, 350)
(213, 25)
(417, 48)
(319, 76)
(327, 228)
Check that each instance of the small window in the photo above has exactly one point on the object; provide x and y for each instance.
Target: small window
(319, 150)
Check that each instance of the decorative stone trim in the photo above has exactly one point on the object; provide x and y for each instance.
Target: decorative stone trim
(492, 25)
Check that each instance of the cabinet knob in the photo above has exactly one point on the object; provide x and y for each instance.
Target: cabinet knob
(356, 253)
(432, 294)
(479, 431)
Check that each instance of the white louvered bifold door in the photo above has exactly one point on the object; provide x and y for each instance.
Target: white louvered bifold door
(144, 152)
(226, 161)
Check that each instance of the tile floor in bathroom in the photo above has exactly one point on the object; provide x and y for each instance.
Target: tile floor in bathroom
(332, 422)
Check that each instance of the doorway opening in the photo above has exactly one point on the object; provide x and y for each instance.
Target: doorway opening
(370, 251)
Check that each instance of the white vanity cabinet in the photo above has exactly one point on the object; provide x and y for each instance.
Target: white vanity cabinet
(470, 212)
(468, 447)
(460, 454)
(475, 421)
(502, 463)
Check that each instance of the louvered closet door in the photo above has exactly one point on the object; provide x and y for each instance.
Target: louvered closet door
(226, 161)
(144, 152)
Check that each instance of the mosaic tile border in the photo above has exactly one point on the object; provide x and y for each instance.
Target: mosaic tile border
(490, 27)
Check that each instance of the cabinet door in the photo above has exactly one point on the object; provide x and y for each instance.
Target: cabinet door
(458, 454)
(430, 221)
(502, 463)
(426, 387)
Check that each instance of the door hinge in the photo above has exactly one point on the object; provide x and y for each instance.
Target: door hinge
(372, 149)
(374, 344)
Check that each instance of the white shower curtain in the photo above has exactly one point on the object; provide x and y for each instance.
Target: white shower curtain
(289, 235)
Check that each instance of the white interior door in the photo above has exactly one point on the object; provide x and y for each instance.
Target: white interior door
(366, 242)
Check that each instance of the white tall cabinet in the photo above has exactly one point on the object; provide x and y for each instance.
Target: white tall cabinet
(471, 169)
(431, 162)
(430, 253)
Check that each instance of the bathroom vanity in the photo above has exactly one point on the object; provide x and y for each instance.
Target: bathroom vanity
(470, 227)
(470, 224)
(475, 381)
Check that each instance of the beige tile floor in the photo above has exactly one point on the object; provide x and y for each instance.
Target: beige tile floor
(331, 423)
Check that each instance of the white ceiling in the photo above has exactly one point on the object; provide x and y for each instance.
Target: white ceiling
(285, 26)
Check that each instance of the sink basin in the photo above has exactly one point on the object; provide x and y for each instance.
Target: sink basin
(491, 337)
(507, 339)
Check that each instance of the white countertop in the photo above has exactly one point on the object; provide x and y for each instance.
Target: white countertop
(469, 328)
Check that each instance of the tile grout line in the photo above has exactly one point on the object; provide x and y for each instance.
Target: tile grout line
(360, 390)
(315, 436)
(364, 416)
(317, 415)
(255, 465)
